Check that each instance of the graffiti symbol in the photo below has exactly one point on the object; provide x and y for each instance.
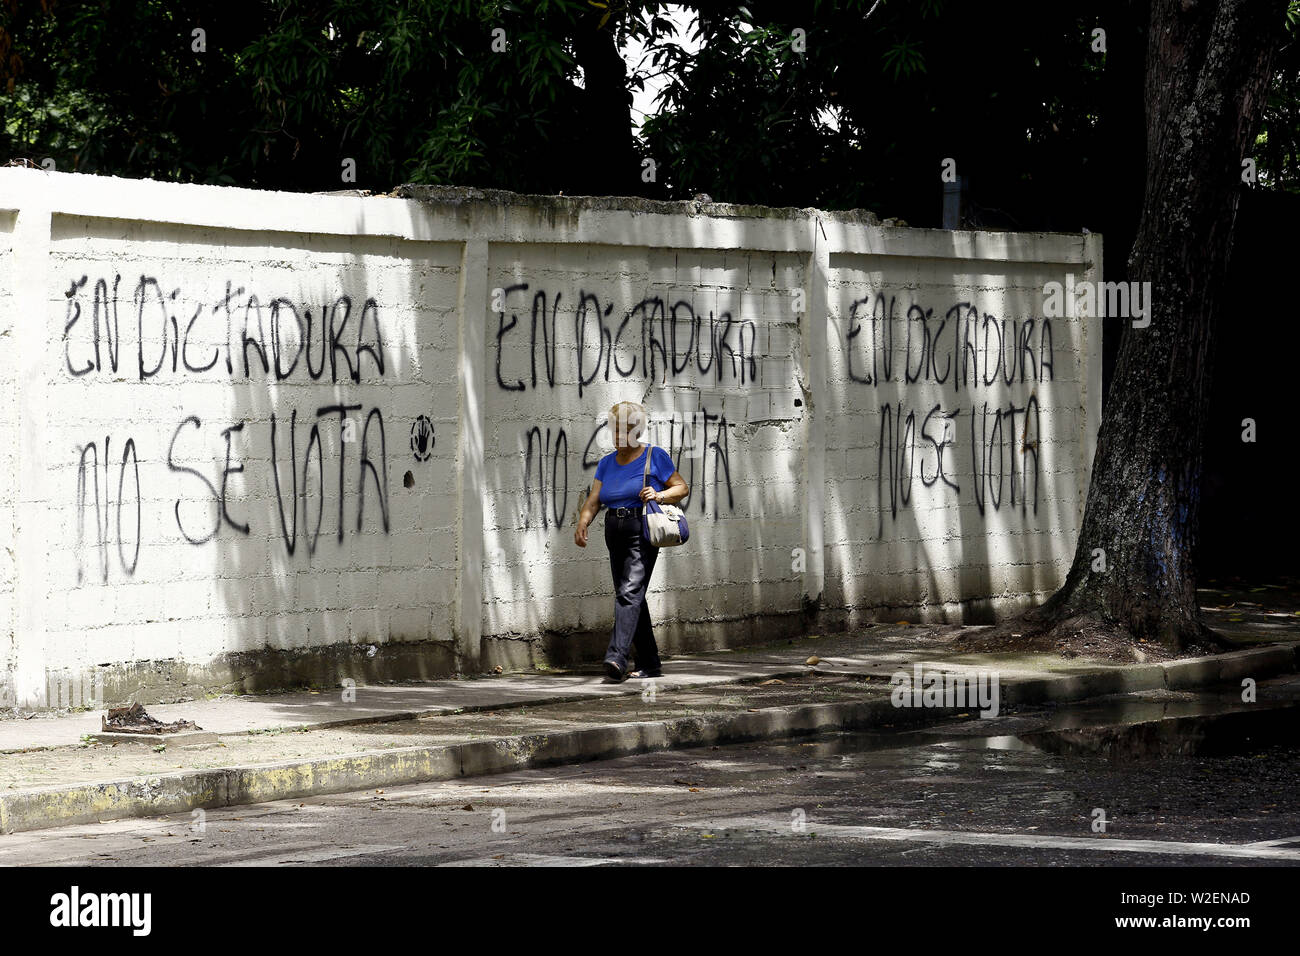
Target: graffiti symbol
(422, 438)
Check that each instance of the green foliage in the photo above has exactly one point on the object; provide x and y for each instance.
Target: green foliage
(786, 101)
(112, 86)
(904, 58)
(286, 90)
(1277, 148)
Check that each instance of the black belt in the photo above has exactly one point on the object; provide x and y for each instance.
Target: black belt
(625, 512)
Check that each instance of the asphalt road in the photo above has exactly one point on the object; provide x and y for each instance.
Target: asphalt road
(967, 793)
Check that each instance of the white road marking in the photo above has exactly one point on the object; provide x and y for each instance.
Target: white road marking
(542, 859)
(1282, 842)
(1250, 851)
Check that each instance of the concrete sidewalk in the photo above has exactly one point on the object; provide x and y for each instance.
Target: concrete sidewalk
(295, 745)
(328, 708)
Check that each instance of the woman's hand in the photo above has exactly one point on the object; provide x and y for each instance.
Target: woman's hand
(648, 493)
(586, 514)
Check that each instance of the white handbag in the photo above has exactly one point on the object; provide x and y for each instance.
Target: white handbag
(664, 526)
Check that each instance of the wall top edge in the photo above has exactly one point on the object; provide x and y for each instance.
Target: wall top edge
(459, 196)
(463, 195)
(405, 212)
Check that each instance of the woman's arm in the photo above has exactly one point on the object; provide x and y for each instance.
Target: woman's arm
(586, 515)
(676, 490)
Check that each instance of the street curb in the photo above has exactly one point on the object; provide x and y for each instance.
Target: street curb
(42, 808)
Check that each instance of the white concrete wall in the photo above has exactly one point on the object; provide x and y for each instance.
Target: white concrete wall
(8, 450)
(735, 327)
(706, 402)
(958, 454)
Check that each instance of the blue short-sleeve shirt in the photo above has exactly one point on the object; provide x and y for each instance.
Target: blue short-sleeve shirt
(620, 485)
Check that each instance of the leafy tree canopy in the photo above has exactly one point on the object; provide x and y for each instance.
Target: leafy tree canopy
(834, 103)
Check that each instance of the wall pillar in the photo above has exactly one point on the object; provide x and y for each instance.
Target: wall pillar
(472, 489)
(31, 256)
(812, 355)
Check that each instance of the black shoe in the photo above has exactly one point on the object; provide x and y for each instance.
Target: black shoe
(645, 674)
(613, 673)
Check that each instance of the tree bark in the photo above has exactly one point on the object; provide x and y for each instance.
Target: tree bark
(1206, 81)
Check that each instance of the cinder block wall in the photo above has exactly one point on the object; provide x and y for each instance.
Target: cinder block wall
(259, 440)
(961, 425)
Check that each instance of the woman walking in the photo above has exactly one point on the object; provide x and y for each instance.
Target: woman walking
(622, 486)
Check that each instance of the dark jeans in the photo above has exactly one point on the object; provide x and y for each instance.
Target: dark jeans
(631, 561)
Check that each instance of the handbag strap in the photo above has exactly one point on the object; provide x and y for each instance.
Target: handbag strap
(645, 478)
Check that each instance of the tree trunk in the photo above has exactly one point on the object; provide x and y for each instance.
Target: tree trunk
(610, 166)
(1206, 81)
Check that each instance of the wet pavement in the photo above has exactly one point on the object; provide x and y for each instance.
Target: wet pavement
(1099, 784)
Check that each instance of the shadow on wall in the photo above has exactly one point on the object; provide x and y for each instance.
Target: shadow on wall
(954, 469)
(309, 448)
(572, 334)
(336, 553)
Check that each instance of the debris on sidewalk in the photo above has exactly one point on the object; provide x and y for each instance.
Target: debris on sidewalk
(134, 725)
(136, 720)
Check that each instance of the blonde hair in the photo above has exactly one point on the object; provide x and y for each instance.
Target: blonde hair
(627, 420)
